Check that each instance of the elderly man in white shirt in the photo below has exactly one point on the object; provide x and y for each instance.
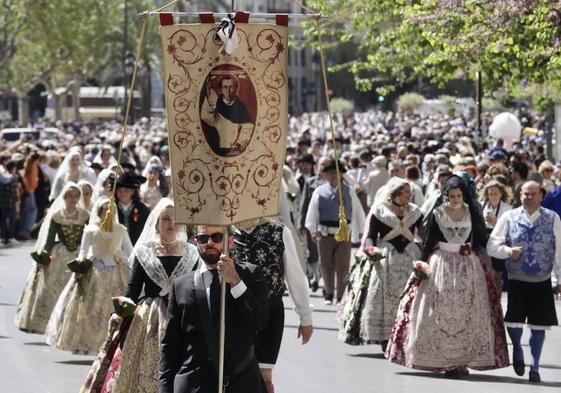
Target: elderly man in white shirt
(529, 238)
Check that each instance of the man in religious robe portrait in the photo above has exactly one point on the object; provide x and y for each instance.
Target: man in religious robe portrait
(226, 121)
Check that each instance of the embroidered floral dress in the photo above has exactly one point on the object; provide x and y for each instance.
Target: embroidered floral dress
(453, 318)
(44, 285)
(134, 367)
(374, 288)
(79, 320)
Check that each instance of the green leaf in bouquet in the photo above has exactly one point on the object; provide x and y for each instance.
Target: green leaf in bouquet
(79, 266)
(124, 307)
(42, 258)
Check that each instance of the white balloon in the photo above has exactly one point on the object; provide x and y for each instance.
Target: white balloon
(506, 126)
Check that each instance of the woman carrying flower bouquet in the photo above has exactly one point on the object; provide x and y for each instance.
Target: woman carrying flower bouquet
(78, 322)
(452, 320)
(377, 281)
(160, 255)
(57, 244)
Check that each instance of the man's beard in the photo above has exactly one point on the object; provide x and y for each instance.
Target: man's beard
(211, 256)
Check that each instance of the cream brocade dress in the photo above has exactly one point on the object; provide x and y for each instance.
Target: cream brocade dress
(453, 318)
(79, 319)
(43, 286)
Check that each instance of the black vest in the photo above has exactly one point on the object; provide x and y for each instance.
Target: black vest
(264, 247)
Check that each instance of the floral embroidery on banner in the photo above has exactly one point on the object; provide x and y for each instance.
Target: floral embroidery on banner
(248, 169)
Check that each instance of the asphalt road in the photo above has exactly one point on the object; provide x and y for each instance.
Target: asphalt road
(324, 365)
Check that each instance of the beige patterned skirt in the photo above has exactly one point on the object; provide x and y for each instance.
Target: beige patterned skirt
(79, 320)
(41, 291)
(138, 371)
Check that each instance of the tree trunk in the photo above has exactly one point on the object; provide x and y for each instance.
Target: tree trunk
(59, 100)
(147, 93)
(23, 110)
(76, 100)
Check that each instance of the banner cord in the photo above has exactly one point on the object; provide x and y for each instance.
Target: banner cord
(107, 224)
(342, 233)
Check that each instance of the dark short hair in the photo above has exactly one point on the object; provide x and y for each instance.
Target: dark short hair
(521, 169)
(412, 172)
(229, 78)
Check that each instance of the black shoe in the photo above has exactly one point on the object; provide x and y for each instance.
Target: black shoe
(452, 374)
(384, 345)
(519, 367)
(315, 286)
(534, 376)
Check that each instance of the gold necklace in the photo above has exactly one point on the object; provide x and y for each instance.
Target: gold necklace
(168, 247)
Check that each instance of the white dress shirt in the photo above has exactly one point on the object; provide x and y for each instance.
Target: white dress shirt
(296, 280)
(206, 274)
(497, 247)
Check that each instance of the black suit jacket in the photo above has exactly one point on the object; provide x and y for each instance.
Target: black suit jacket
(310, 186)
(189, 355)
(135, 226)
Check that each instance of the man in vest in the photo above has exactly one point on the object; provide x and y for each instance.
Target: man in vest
(322, 220)
(269, 244)
(529, 238)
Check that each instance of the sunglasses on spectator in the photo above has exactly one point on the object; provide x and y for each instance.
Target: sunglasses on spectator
(216, 237)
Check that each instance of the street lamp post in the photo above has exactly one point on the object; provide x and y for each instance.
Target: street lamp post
(129, 66)
(124, 59)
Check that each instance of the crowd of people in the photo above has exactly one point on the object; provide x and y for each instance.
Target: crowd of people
(445, 219)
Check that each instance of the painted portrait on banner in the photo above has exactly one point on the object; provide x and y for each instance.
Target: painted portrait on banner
(227, 121)
(228, 107)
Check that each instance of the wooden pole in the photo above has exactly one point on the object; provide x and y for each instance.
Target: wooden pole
(222, 333)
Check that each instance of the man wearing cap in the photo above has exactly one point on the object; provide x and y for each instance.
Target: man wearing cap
(322, 220)
(306, 169)
(132, 212)
(443, 172)
(377, 177)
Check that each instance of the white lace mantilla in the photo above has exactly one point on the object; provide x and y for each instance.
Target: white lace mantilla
(453, 231)
(148, 258)
(399, 226)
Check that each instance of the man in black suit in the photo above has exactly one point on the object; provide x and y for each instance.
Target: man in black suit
(189, 356)
(309, 186)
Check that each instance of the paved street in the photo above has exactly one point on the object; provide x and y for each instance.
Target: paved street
(325, 365)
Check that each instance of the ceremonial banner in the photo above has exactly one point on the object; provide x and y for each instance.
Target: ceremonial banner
(227, 119)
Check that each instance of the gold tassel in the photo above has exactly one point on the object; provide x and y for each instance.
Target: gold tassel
(107, 224)
(342, 234)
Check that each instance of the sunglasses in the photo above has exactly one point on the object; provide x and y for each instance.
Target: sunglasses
(216, 237)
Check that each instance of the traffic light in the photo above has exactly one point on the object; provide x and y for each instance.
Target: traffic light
(381, 98)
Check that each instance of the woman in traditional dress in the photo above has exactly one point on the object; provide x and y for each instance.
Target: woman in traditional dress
(78, 322)
(72, 169)
(105, 183)
(151, 190)
(452, 320)
(160, 255)
(89, 196)
(105, 157)
(495, 197)
(369, 318)
(58, 242)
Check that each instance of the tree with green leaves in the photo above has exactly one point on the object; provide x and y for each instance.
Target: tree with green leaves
(61, 44)
(399, 41)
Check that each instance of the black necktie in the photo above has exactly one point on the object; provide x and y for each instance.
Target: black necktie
(215, 297)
